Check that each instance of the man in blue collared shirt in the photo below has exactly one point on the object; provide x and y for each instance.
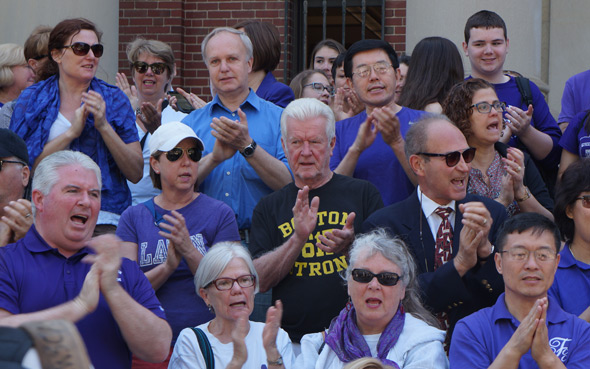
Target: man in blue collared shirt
(525, 328)
(241, 122)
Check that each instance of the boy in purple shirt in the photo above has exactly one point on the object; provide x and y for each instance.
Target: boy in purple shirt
(525, 328)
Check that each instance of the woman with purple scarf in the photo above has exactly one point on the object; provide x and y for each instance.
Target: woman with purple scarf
(385, 318)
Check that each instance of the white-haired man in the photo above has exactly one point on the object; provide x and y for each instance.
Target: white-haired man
(57, 271)
(299, 251)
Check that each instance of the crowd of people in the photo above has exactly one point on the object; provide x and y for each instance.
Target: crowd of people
(379, 212)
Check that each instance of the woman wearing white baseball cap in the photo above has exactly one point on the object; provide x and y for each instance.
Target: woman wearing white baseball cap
(169, 234)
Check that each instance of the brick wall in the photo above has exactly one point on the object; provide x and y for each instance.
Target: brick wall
(184, 23)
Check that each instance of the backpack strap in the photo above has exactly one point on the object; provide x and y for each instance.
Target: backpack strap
(205, 347)
(158, 218)
(524, 87)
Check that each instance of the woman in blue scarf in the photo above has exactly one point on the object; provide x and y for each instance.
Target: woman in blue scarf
(71, 109)
(386, 319)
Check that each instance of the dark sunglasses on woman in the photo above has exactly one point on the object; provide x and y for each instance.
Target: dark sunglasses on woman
(366, 276)
(82, 49)
(176, 153)
(142, 67)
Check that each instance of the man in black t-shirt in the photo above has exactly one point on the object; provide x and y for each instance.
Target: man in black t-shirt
(300, 246)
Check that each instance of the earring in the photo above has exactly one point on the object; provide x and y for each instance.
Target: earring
(211, 310)
(349, 304)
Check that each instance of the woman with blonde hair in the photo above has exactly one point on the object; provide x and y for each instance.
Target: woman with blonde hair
(15, 74)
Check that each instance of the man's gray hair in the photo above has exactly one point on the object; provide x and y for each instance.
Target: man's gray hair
(244, 37)
(305, 109)
(216, 260)
(395, 250)
(417, 135)
(46, 174)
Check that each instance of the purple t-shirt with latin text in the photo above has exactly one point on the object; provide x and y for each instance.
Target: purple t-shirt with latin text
(208, 221)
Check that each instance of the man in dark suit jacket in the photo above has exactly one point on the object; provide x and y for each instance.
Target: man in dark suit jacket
(465, 280)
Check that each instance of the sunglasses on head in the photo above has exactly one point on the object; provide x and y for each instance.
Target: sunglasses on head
(453, 158)
(82, 48)
(142, 67)
(176, 153)
(585, 200)
(365, 276)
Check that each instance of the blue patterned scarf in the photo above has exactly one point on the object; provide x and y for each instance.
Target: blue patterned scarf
(37, 109)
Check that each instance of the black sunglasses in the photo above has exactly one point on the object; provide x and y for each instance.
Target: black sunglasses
(142, 67)
(176, 153)
(365, 276)
(39, 57)
(2, 162)
(453, 158)
(82, 48)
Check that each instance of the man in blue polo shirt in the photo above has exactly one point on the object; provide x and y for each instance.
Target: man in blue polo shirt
(244, 160)
(370, 145)
(525, 328)
(57, 271)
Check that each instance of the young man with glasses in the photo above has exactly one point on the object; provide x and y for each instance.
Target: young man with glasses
(370, 145)
(525, 328)
(450, 232)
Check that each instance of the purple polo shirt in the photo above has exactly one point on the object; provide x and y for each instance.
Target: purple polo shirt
(576, 139)
(34, 276)
(571, 286)
(377, 164)
(478, 338)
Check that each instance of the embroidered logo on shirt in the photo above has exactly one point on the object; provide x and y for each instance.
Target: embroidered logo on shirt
(560, 348)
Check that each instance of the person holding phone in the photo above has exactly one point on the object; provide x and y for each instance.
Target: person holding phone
(72, 109)
(152, 66)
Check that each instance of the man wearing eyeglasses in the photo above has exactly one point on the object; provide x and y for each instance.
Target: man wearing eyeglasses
(243, 158)
(525, 328)
(370, 145)
(450, 232)
(15, 210)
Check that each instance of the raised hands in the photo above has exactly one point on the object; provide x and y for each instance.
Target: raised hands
(232, 132)
(129, 90)
(338, 240)
(473, 242)
(16, 221)
(519, 120)
(305, 214)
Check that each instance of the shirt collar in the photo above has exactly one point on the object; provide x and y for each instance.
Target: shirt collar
(429, 205)
(567, 259)
(252, 100)
(554, 313)
(35, 243)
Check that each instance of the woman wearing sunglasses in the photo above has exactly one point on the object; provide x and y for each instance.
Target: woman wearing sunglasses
(499, 172)
(385, 318)
(571, 286)
(72, 109)
(227, 281)
(152, 70)
(169, 234)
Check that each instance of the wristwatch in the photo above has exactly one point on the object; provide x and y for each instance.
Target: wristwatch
(249, 150)
(278, 361)
(527, 195)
